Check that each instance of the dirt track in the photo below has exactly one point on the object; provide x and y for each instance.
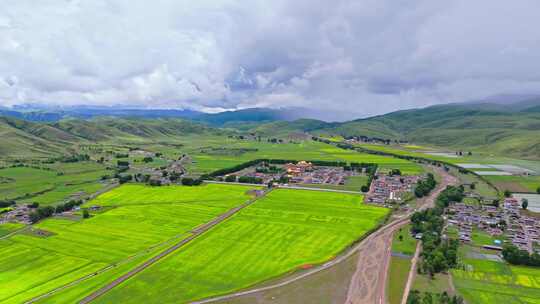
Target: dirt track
(368, 284)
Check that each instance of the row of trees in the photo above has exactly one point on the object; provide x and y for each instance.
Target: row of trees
(437, 254)
(243, 179)
(47, 211)
(417, 297)
(6, 203)
(516, 256)
(424, 187)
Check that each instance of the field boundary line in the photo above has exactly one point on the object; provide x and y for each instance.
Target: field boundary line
(201, 230)
(12, 233)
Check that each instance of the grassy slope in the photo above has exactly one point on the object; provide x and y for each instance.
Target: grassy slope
(282, 232)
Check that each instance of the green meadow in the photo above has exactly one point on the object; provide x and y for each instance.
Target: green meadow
(52, 183)
(231, 152)
(134, 219)
(285, 231)
(486, 282)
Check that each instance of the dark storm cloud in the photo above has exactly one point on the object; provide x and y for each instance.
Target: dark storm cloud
(355, 58)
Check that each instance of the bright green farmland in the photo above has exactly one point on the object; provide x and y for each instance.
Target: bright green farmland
(279, 233)
(8, 228)
(494, 282)
(50, 186)
(137, 218)
(231, 152)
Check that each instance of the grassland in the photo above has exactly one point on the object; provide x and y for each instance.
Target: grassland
(51, 183)
(487, 281)
(405, 246)
(516, 183)
(134, 219)
(206, 159)
(285, 231)
(397, 278)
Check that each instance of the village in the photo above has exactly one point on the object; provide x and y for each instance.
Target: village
(387, 188)
(505, 225)
(302, 172)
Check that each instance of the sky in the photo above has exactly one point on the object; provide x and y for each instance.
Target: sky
(343, 58)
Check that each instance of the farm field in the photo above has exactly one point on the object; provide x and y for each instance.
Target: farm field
(286, 230)
(134, 219)
(52, 184)
(475, 158)
(487, 281)
(7, 228)
(397, 278)
(516, 183)
(227, 153)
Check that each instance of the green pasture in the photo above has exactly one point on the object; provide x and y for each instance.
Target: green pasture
(214, 154)
(283, 232)
(135, 219)
(53, 185)
(486, 282)
(516, 183)
(397, 278)
(408, 243)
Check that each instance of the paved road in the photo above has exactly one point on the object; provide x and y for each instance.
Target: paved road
(200, 230)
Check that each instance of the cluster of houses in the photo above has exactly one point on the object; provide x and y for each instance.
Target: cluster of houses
(523, 231)
(506, 223)
(302, 172)
(306, 173)
(466, 217)
(18, 214)
(385, 188)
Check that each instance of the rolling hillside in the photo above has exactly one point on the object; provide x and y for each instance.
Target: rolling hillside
(22, 139)
(499, 128)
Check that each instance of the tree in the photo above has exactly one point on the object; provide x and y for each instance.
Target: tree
(230, 178)
(538, 190)
(364, 188)
(85, 214)
(524, 203)
(401, 238)
(148, 159)
(507, 193)
(187, 181)
(473, 186)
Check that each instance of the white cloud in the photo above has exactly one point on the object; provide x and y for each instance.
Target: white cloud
(357, 57)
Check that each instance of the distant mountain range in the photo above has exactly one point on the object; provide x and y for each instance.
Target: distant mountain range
(502, 126)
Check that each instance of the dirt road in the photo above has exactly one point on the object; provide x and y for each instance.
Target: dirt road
(368, 284)
(412, 273)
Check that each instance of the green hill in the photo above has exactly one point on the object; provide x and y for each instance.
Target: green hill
(25, 139)
(460, 126)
